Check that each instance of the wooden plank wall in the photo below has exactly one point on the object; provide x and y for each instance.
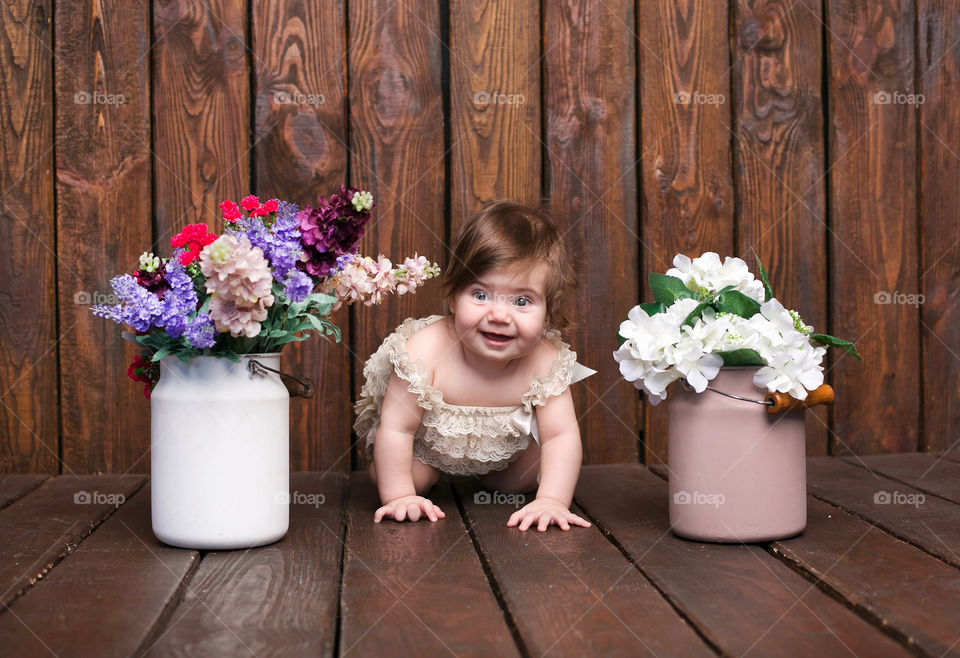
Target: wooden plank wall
(650, 127)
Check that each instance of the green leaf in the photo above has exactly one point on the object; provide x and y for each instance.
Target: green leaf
(668, 289)
(652, 308)
(691, 319)
(162, 352)
(763, 277)
(831, 341)
(737, 303)
(741, 357)
(289, 339)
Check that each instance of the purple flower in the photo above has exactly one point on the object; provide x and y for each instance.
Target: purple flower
(297, 286)
(178, 302)
(199, 331)
(139, 308)
(330, 230)
(279, 242)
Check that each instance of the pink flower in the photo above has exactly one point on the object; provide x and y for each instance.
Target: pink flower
(250, 203)
(270, 206)
(231, 212)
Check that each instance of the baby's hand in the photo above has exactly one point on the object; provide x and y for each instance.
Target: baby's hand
(548, 511)
(409, 507)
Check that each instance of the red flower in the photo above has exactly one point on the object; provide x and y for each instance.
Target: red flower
(250, 202)
(270, 206)
(231, 212)
(193, 238)
(144, 371)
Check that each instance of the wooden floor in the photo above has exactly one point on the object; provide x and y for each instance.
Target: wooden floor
(865, 578)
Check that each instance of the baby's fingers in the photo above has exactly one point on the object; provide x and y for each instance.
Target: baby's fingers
(579, 521)
(386, 510)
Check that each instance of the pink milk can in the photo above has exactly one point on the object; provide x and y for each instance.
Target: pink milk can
(737, 473)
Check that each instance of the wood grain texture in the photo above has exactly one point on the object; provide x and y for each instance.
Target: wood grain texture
(39, 529)
(106, 595)
(397, 152)
(923, 520)
(892, 582)
(776, 609)
(14, 487)
(201, 112)
(29, 432)
(103, 225)
(417, 588)
(939, 66)
(931, 474)
(779, 160)
(300, 154)
(685, 146)
(279, 599)
(873, 241)
(589, 92)
(608, 607)
(495, 148)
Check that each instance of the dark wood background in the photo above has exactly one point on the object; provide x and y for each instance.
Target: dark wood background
(842, 197)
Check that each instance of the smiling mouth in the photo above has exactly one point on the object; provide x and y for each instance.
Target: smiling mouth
(496, 338)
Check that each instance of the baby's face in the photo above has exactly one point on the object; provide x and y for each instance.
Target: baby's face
(501, 315)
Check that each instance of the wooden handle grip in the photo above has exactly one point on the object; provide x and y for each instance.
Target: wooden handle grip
(785, 402)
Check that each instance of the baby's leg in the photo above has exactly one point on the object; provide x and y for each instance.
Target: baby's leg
(520, 476)
(424, 476)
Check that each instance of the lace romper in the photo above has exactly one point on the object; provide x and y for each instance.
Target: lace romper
(457, 439)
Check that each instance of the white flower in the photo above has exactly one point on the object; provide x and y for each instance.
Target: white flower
(706, 274)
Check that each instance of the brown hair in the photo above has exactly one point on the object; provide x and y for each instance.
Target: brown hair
(507, 232)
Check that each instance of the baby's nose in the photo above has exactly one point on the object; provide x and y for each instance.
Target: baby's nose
(499, 312)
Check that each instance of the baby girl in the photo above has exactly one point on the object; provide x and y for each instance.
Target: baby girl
(483, 391)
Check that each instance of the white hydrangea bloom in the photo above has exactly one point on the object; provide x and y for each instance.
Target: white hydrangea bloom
(657, 351)
(708, 274)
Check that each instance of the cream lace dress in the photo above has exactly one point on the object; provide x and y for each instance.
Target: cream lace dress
(457, 439)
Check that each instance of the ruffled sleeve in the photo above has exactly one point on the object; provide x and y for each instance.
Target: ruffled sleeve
(392, 357)
(564, 372)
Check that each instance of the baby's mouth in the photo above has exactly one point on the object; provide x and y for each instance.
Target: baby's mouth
(496, 338)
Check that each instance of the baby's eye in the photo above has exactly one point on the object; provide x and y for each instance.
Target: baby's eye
(479, 295)
(522, 301)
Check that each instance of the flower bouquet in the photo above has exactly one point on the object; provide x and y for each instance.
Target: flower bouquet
(273, 277)
(706, 315)
(736, 474)
(211, 321)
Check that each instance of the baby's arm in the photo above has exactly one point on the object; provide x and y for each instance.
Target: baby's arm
(393, 457)
(560, 458)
